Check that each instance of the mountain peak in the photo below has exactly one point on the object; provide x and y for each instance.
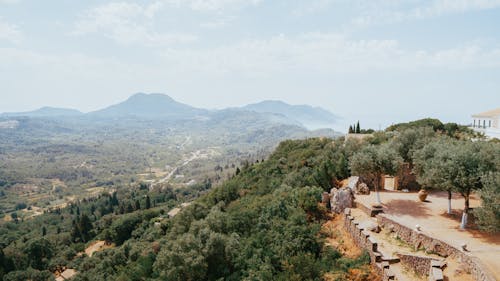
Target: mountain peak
(153, 105)
(156, 96)
(309, 116)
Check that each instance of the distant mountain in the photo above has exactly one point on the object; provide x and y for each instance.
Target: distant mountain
(45, 112)
(308, 116)
(150, 106)
(163, 107)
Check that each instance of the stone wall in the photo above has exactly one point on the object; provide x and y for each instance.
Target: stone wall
(422, 241)
(363, 240)
(418, 264)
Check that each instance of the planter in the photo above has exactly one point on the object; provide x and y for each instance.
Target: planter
(422, 195)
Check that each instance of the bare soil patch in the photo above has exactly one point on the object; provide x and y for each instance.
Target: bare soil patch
(338, 238)
(97, 246)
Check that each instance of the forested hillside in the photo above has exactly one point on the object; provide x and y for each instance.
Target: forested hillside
(263, 223)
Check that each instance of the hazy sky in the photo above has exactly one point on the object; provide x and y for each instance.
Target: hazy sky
(380, 61)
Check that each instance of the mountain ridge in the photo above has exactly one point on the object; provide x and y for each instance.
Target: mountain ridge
(309, 116)
(162, 106)
(45, 111)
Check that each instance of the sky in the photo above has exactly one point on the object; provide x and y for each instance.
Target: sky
(377, 61)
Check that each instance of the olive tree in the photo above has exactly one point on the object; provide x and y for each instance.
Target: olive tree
(432, 166)
(488, 215)
(405, 143)
(456, 166)
(372, 161)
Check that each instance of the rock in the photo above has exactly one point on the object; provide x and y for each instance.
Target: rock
(363, 189)
(340, 199)
(353, 182)
(370, 225)
(390, 228)
(357, 185)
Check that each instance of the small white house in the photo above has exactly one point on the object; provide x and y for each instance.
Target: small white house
(487, 122)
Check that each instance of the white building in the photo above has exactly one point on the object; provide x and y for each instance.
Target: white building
(487, 122)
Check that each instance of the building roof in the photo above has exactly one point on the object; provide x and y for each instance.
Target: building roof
(488, 114)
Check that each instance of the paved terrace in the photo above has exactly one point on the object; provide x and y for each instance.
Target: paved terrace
(406, 209)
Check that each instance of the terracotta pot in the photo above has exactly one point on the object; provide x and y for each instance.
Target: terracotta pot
(422, 195)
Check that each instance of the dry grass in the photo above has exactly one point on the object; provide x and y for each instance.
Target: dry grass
(338, 238)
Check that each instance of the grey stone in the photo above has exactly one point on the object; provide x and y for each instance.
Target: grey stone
(373, 243)
(357, 185)
(363, 189)
(436, 263)
(340, 199)
(370, 225)
(437, 274)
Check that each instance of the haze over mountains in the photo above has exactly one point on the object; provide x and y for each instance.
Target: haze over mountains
(161, 106)
(45, 111)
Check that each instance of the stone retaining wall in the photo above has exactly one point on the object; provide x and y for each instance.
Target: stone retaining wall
(363, 240)
(422, 241)
(418, 264)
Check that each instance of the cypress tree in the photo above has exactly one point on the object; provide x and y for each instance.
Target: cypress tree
(148, 202)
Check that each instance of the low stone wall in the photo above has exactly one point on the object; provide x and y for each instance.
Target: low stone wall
(418, 264)
(422, 241)
(363, 240)
(417, 238)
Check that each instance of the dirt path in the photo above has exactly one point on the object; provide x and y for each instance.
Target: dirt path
(431, 216)
(198, 154)
(96, 247)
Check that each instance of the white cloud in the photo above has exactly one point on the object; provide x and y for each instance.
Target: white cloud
(9, 1)
(388, 11)
(217, 22)
(128, 23)
(311, 7)
(212, 5)
(9, 32)
(441, 7)
(217, 5)
(323, 53)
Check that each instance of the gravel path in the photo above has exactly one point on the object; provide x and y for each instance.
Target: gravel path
(431, 216)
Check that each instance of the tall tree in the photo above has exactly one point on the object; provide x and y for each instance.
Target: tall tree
(39, 251)
(358, 129)
(374, 161)
(456, 166)
(406, 142)
(488, 215)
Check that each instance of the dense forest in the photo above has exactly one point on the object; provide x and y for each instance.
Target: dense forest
(263, 223)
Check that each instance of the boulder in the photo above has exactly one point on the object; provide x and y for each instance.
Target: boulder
(340, 199)
(362, 189)
(353, 182)
(357, 185)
